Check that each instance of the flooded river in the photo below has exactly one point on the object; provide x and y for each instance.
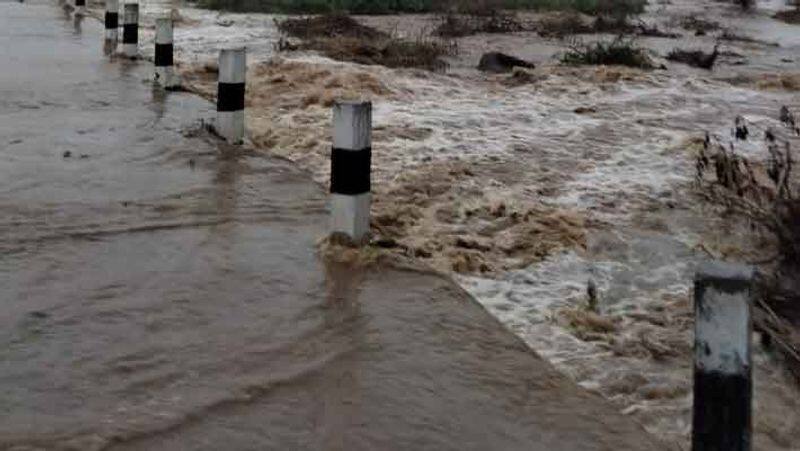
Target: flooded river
(159, 291)
(525, 186)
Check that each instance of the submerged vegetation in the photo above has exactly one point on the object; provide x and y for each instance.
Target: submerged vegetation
(598, 7)
(342, 38)
(621, 51)
(458, 25)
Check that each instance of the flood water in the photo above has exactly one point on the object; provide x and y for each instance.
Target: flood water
(160, 291)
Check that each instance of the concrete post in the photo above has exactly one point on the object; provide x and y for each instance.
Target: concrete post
(112, 20)
(230, 94)
(80, 7)
(723, 386)
(351, 161)
(164, 70)
(130, 30)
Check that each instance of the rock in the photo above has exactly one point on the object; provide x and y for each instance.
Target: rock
(501, 63)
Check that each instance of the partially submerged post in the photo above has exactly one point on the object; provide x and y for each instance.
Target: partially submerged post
(112, 21)
(164, 71)
(351, 170)
(230, 94)
(723, 363)
(130, 30)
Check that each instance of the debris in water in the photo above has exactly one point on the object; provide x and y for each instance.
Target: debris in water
(740, 129)
(591, 293)
(695, 58)
(500, 62)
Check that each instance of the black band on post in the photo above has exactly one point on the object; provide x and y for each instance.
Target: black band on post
(163, 55)
(350, 171)
(130, 33)
(112, 21)
(230, 97)
(721, 418)
(80, 2)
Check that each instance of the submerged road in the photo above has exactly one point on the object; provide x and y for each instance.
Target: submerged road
(155, 294)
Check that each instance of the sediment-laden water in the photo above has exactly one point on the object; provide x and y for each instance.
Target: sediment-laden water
(159, 290)
(527, 186)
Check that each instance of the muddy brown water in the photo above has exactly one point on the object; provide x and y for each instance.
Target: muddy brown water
(158, 291)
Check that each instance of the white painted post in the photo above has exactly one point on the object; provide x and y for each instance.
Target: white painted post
(112, 20)
(230, 94)
(164, 70)
(723, 386)
(130, 30)
(80, 7)
(351, 161)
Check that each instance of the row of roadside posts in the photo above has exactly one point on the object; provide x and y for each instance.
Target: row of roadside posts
(722, 419)
(352, 128)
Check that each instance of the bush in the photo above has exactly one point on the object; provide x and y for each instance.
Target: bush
(619, 52)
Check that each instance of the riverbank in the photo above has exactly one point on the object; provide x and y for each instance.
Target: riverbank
(526, 186)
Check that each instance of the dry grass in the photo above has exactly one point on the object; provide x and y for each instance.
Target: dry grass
(588, 325)
(764, 195)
